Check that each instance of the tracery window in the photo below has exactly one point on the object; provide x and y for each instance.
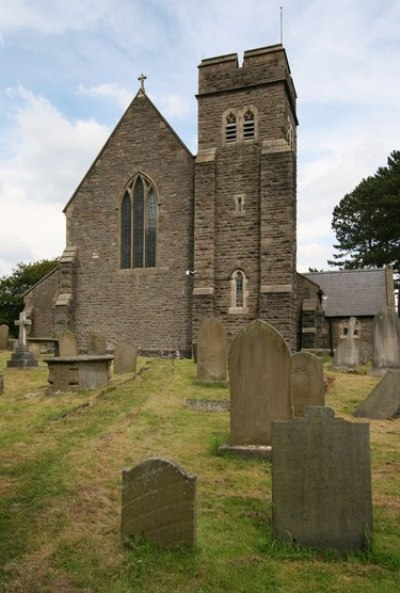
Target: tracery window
(239, 291)
(139, 214)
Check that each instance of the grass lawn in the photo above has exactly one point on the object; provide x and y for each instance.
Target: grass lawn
(61, 460)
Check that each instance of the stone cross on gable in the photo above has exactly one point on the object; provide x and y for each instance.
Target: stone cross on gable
(142, 78)
(23, 323)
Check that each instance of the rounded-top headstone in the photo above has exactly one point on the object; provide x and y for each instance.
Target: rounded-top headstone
(211, 351)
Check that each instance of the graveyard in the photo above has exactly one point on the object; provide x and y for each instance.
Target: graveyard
(62, 456)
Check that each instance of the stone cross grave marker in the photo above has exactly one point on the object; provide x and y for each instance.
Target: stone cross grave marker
(321, 481)
(386, 341)
(259, 379)
(4, 333)
(22, 358)
(347, 355)
(159, 504)
(125, 357)
(307, 382)
(211, 351)
(23, 323)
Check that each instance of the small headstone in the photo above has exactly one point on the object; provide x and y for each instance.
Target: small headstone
(347, 356)
(4, 334)
(307, 382)
(384, 399)
(125, 356)
(386, 341)
(95, 344)
(259, 380)
(159, 504)
(321, 482)
(211, 351)
(67, 344)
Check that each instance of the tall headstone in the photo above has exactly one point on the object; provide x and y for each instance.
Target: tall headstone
(159, 504)
(321, 482)
(125, 356)
(386, 341)
(67, 344)
(22, 358)
(211, 351)
(4, 333)
(95, 344)
(384, 399)
(347, 355)
(307, 382)
(259, 379)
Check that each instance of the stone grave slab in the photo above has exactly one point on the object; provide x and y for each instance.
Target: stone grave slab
(211, 351)
(4, 335)
(95, 344)
(307, 382)
(125, 357)
(321, 482)
(384, 400)
(67, 344)
(159, 504)
(386, 341)
(347, 354)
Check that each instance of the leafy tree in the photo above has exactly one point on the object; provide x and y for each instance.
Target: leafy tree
(12, 287)
(367, 222)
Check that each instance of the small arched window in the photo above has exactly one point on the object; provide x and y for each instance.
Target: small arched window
(248, 125)
(230, 128)
(139, 215)
(238, 283)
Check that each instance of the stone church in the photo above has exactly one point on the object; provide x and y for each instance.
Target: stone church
(158, 239)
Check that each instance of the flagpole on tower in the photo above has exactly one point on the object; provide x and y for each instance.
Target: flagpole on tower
(281, 23)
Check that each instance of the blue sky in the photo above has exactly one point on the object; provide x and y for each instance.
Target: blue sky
(69, 69)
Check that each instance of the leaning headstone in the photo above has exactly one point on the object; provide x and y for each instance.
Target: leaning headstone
(95, 344)
(321, 482)
(307, 382)
(386, 341)
(125, 356)
(4, 333)
(259, 380)
(211, 351)
(67, 344)
(384, 399)
(347, 357)
(159, 504)
(22, 358)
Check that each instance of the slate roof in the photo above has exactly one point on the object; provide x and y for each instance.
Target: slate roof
(354, 293)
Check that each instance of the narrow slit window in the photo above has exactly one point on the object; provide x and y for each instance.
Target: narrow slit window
(239, 287)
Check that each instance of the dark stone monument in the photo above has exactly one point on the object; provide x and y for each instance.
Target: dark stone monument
(4, 334)
(159, 504)
(211, 351)
(321, 482)
(1, 383)
(95, 344)
(384, 400)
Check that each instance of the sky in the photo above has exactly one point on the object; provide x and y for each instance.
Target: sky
(69, 69)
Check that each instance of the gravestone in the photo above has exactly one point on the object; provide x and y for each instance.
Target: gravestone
(67, 344)
(307, 382)
(321, 482)
(4, 333)
(211, 351)
(125, 356)
(384, 399)
(95, 344)
(259, 381)
(22, 358)
(386, 341)
(347, 356)
(159, 504)
(1, 383)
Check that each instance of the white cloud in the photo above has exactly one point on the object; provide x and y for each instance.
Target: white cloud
(121, 96)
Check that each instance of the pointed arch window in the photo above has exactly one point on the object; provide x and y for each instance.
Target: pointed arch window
(230, 128)
(238, 283)
(248, 125)
(139, 214)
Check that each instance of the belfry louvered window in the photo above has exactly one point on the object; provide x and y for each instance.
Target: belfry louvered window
(139, 214)
(248, 125)
(230, 128)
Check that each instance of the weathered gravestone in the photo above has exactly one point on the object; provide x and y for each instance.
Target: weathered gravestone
(321, 482)
(67, 344)
(125, 357)
(95, 344)
(22, 358)
(347, 356)
(259, 380)
(386, 341)
(307, 382)
(211, 351)
(4, 333)
(1, 383)
(159, 504)
(384, 399)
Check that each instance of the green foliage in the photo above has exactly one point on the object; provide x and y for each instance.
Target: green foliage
(12, 287)
(367, 223)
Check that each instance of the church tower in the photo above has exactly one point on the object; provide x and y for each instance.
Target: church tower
(245, 193)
